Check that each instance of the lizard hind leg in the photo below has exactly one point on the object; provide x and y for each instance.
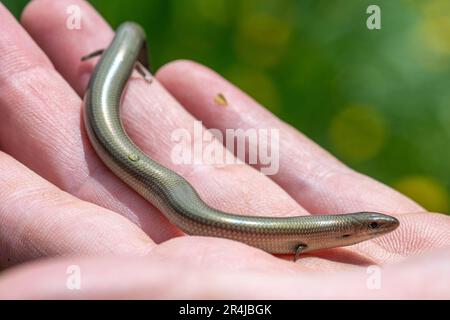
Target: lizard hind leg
(298, 251)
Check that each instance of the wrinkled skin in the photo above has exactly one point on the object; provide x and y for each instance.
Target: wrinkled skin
(58, 201)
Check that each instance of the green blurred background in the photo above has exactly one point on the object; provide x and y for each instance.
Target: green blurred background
(377, 99)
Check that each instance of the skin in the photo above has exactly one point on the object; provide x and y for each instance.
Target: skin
(58, 199)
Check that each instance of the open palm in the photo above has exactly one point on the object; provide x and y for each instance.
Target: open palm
(58, 199)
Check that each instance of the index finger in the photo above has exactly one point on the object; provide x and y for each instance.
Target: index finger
(312, 176)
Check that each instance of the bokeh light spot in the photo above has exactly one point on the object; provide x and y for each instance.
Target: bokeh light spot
(262, 39)
(357, 133)
(426, 191)
(435, 26)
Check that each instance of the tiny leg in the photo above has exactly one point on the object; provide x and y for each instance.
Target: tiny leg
(92, 54)
(141, 65)
(298, 251)
(143, 72)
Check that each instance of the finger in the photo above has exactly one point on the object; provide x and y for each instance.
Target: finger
(41, 127)
(151, 115)
(418, 233)
(39, 220)
(158, 279)
(313, 177)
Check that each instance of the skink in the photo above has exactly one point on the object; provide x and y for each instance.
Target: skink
(174, 196)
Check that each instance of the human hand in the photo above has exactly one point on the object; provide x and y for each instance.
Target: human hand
(72, 205)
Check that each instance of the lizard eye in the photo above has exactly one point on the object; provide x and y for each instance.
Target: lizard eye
(373, 225)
